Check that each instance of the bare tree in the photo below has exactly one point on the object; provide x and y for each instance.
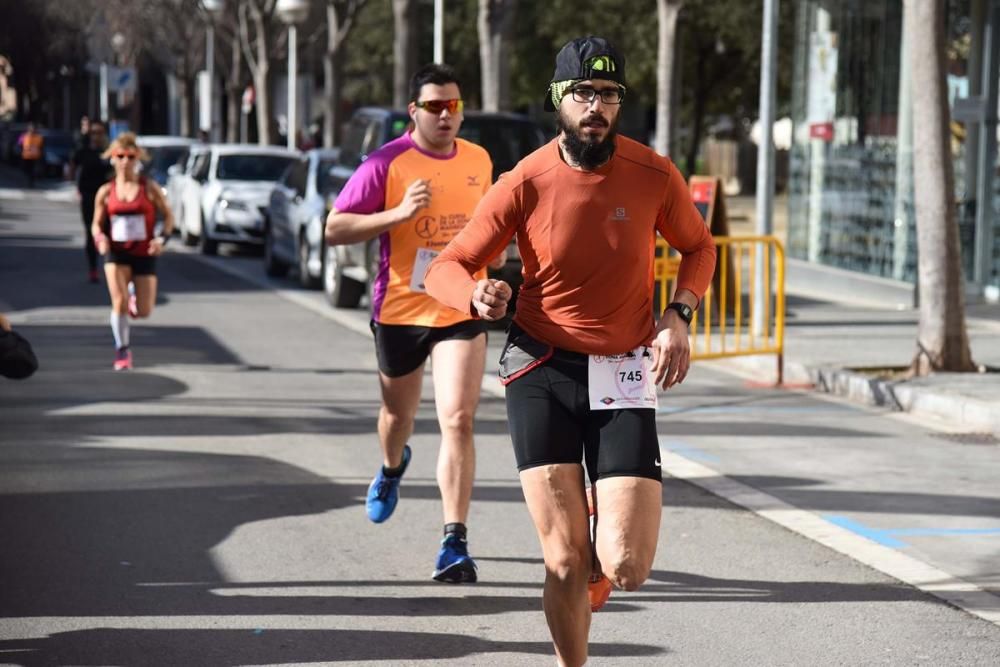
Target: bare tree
(340, 15)
(229, 56)
(495, 24)
(256, 27)
(667, 11)
(404, 51)
(942, 339)
(174, 36)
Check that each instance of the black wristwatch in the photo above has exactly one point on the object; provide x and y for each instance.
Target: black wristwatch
(683, 310)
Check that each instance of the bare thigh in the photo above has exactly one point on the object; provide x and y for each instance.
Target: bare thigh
(118, 277)
(457, 366)
(145, 293)
(628, 528)
(558, 507)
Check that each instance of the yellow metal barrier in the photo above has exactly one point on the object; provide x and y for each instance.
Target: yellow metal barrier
(723, 325)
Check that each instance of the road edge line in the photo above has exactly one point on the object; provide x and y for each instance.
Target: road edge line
(909, 570)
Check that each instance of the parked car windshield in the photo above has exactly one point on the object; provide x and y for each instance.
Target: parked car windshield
(506, 141)
(253, 167)
(163, 157)
(58, 140)
(324, 182)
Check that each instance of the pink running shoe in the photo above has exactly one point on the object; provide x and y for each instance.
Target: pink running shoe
(123, 359)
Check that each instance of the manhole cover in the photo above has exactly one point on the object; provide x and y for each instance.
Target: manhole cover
(969, 438)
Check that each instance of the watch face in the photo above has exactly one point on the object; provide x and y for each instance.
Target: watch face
(683, 310)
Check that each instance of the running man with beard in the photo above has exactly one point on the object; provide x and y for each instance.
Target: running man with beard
(584, 356)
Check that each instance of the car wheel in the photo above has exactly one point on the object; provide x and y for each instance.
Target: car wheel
(306, 279)
(273, 266)
(341, 291)
(208, 246)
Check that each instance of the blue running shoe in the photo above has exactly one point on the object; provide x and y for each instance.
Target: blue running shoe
(383, 492)
(454, 565)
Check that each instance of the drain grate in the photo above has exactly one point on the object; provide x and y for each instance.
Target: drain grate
(969, 438)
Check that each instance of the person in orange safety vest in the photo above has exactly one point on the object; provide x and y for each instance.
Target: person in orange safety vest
(32, 145)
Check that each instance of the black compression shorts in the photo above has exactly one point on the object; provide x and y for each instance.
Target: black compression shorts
(550, 420)
(401, 349)
(142, 265)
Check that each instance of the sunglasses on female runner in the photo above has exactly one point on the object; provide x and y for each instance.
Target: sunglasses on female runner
(437, 106)
(125, 156)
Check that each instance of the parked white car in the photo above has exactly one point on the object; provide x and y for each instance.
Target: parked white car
(164, 152)
(224, 191)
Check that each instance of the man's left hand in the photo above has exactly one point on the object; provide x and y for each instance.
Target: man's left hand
(671, 350)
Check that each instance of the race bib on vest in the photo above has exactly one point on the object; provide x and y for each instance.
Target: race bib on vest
(125, 228)
(422, 260)
(618, 381)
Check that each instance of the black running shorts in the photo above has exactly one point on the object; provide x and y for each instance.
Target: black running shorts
(141, 265)
(401, 349)
(550, 421)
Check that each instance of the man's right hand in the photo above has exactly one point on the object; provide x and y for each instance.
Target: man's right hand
(490, 299)
(417, 196)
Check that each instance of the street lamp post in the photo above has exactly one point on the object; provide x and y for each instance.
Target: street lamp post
(214, 8)
(439, 31)
(292, 12)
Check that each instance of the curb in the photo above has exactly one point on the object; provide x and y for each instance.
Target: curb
(918, 396)
(909, 396)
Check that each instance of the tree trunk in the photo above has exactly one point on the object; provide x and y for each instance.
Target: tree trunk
(234, 93)
(701, 93)
(495, 24)
(339, 21)
(942, 340)
(184, 84)
(331, 111)
(262, 80)
(258, 60)
(667, 12)
(404, 50)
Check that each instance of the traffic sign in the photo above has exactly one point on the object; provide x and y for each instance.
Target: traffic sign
(121, 79)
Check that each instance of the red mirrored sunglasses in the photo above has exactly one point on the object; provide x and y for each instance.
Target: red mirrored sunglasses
(437, 106)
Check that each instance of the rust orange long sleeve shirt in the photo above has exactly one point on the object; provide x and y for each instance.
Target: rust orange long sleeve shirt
(587, 243)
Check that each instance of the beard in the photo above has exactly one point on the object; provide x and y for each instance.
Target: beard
(587, 152)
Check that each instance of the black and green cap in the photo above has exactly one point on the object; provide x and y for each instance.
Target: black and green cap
(585, 58)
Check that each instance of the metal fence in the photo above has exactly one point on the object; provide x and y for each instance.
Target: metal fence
(723, 326)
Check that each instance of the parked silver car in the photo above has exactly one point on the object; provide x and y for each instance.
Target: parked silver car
(296, 216)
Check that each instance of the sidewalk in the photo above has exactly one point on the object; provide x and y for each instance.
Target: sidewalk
(847, 351)
(841, 348)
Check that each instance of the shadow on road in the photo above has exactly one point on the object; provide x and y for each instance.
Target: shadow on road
(242, 647)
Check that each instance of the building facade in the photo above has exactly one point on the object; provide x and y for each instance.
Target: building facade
(851, 162)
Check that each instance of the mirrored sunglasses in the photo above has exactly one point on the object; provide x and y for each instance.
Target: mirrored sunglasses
(437, 106)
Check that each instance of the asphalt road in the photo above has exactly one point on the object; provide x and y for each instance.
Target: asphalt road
(207, 508)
